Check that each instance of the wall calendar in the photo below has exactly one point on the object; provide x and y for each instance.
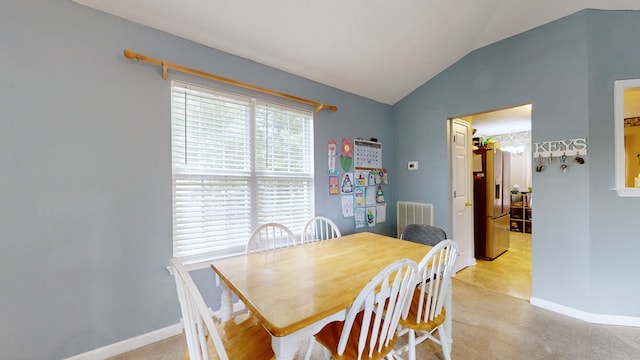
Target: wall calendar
(367, 155)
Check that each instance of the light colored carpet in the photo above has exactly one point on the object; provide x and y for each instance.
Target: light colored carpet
(490, 325)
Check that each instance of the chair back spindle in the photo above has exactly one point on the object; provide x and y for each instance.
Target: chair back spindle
(426, 311)
(369, 329)
(319, 228)
(270, 236)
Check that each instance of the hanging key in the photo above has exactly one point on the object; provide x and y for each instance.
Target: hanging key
(564, 165)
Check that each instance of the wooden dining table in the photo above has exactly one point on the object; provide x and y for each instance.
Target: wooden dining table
(295, 291)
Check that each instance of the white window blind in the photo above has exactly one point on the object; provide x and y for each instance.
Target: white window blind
(237, 163)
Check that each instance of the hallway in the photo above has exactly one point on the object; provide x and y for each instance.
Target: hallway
(509, 273)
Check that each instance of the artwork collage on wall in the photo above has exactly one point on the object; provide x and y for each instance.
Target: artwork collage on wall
(360, 187)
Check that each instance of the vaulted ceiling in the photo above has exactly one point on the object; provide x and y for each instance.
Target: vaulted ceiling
(382, 50)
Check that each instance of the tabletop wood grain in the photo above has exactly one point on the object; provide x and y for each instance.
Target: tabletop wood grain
(289, 289)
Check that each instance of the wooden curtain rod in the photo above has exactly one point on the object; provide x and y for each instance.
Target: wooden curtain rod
(130, 54)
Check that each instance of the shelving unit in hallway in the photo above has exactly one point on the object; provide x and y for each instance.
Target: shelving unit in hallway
(521, 216)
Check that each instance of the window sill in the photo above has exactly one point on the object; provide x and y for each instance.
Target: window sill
(203, 263)
(192, 267)
(199, 265)
(628, 192)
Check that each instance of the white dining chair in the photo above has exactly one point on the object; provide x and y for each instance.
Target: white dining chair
(426, 312)
(369, 328)
(237, 339)
(270, 236)
(319, 228)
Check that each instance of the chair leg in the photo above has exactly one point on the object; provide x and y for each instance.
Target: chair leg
(444, 342)
(312, 342)
(402, 331)
(327, 353)
(412, 344)
(394, 355)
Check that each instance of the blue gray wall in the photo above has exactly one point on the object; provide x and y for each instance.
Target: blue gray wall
(85, 204)
(614, 53)
(85, 190)
(585, 238)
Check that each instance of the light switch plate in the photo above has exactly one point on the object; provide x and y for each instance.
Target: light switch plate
(412, 165)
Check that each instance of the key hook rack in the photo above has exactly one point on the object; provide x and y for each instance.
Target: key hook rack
(560, 149)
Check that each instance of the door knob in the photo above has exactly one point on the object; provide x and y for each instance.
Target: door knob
(467, 203)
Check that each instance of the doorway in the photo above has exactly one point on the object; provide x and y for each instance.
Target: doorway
(509, 130)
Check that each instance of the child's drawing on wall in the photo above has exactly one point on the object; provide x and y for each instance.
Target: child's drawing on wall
(334, 185)
(332, 155)
(359, 217)
(359, 196)
(371, 216)
(347, 185)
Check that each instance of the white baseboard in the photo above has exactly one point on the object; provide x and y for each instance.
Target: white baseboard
(585, 316)
(129, 344)
(141, 340)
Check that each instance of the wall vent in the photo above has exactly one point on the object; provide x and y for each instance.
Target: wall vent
(413, 213)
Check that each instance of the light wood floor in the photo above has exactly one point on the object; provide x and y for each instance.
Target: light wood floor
(509, 273)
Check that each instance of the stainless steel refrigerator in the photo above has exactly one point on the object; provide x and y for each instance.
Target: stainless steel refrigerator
(491, 194)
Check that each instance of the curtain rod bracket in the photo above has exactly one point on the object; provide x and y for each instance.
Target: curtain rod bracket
(130, 54)
(164, 70)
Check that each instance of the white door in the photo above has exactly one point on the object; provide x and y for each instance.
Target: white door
(462, 193)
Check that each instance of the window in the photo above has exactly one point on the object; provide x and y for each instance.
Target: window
(238, 162)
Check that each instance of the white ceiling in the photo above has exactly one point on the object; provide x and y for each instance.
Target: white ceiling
(382, 50)
(500, 122)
